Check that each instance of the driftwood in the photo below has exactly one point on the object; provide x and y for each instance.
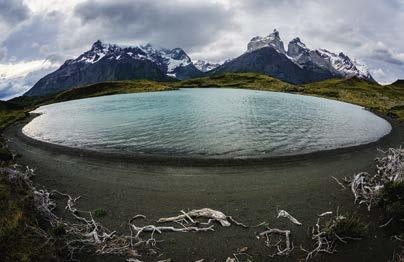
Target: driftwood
(280, 251)
(325, 214)
(325, 241)
(210, 214)
(389, 167)
(283, 213)
(339, 183)
(366, 187)
(207, 213)
(87, 235)
(322, 244)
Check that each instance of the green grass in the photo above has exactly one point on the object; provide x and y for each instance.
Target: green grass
(99, 212)
(387, 100)
(392, 199)
(111, 88)
(345, 226)
(18, 238)
(240, 80)
(7, 117)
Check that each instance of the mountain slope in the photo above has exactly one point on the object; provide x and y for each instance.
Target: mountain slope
(106, 62)
(298, 65)
(267, 60)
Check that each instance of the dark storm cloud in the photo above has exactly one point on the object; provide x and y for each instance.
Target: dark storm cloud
(36, 38)
(167, 23)
(3, 52)
(13, 11)
(387, 56)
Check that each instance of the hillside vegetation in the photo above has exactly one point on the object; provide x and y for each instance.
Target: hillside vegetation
(388, 100)
(112, 88)
(240, 80)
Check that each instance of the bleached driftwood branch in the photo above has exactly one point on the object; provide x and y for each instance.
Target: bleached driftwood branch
(283, 213)
(325, 214)
(208, 213)
(324, 237)
(389, 167)
(321, 242)
(280, 251)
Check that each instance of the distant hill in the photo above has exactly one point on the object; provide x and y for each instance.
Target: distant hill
(112, 88)
(399, 83)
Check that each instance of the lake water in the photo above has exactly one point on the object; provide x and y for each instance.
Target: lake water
(207, 123)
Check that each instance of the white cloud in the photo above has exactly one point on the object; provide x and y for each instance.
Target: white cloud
(16, 79)
(378, 73)
(22, 69)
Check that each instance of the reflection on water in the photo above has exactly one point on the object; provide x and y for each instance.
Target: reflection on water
(210, 122)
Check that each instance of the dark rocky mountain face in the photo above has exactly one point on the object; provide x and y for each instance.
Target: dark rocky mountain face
(268, 61)
(298, 65)
(105, 62)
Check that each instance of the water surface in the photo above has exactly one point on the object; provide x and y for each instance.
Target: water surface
(207, 123)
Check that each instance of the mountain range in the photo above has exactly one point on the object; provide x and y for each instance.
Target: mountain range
(297, 65)
(107, 62)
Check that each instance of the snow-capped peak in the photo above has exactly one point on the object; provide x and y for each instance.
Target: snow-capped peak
(272, 40)
(171, 58)
(343, 64)
(205, 66)
(167, 59)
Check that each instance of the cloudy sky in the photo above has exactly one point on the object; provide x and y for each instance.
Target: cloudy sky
(36, 36)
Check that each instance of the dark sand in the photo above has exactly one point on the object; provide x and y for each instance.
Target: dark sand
(248, 191)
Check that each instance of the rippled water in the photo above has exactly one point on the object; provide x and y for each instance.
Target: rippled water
(210, 122)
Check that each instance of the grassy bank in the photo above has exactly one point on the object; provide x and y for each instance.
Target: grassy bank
(387, 100)
(112, 88)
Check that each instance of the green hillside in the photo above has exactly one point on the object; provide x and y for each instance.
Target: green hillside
(112, 88)
(240, 80)
(387, 100)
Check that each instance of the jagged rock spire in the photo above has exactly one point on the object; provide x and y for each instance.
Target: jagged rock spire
(272, 40)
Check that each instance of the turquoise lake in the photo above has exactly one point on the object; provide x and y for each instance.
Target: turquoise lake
(207, 123)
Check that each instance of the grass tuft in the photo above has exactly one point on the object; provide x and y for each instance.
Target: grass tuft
(392, 199)
(345, 226)
(99, 212)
